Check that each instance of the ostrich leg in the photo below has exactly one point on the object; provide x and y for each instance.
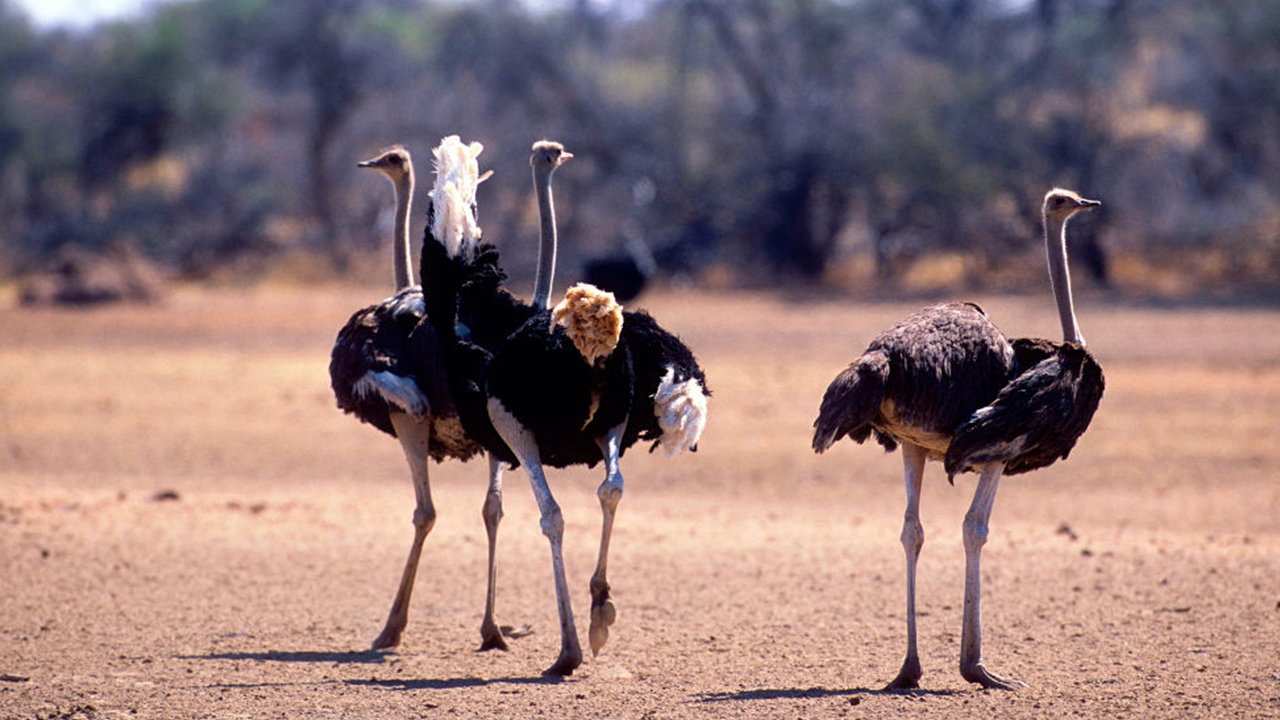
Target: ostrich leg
(603, 613)
(521, 441)
(414, 437)
(913, 458)
(490, 634)
(975, 536)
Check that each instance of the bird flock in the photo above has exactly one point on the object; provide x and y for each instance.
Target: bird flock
(458, 366)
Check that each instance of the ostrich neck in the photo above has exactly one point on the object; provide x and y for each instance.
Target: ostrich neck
(1055, 245)
(547, 249)
(400, 253)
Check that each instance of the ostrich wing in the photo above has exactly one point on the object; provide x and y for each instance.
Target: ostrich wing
(472, 283)
(371, 368)
(1037, 418)
(852, 402)
(917, 380)
(671, 389)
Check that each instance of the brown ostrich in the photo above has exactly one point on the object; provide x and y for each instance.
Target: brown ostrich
(947, 385)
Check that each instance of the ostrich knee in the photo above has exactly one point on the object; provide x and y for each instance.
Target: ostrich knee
(610, 493)
(912, 535)
(492, 510)
(424, 518)
(553, 522)
(975, 532)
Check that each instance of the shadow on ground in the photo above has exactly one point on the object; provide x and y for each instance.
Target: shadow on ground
(454, 683)
(364, 657)
(811, 693)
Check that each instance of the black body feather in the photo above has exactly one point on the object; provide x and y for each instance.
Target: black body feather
(654, 350)
(471, 315)
(514, 355)
(384, 338)
(376, 339)
(542, 379)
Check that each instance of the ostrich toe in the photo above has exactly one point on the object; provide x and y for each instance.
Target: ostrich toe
(978, 674)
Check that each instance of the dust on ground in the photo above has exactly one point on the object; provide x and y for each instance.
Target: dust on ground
(190, 529)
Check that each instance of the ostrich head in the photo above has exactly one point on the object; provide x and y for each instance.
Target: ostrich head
(548, 155)
(1060, 204)
(394, 162)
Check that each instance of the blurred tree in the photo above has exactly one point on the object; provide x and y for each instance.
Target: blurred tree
(17, 54)
(130, 99)
(776, 135)
(310, 42)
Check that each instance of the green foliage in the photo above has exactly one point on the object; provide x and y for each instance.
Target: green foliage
(131, 98)
(773, 131)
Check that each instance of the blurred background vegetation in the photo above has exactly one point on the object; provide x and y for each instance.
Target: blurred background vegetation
(866, 144)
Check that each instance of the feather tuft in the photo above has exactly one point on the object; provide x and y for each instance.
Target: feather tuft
(592, 319)
(453, 195)
(681, 409)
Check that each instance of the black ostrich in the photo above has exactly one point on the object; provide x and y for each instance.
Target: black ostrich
(947, 385)
(627, 273)
(400, 387)
(574, 385)
(390, 345)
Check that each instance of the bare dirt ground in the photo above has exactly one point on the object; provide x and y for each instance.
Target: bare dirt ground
(1139, 579)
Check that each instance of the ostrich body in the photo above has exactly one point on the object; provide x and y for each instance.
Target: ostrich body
(947, 385)
(397, 385)
(574, 385)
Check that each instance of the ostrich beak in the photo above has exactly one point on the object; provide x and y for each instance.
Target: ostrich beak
(565, 157)
(1086, 204)
(368, 164)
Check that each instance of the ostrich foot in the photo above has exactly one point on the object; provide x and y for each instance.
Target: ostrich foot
(568, 661)
(390, 636)
(491, 637)
(976, 673)
(908, 677)
(603, 615)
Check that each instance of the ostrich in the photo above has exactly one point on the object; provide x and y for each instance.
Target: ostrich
(488, 316)
(626, 273)
(483, 318)
(947, 385)
(399, 387)
(570, 386)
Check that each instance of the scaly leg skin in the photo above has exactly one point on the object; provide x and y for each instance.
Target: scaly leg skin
(975, 536)
(521, 441)
(603, 612)
(490, 635)
(414, 438)
(913, 458)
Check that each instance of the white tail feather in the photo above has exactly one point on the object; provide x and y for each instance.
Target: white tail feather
(454, 192)
(681, 409)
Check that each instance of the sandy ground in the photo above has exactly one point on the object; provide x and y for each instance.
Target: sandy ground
(753, 579)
